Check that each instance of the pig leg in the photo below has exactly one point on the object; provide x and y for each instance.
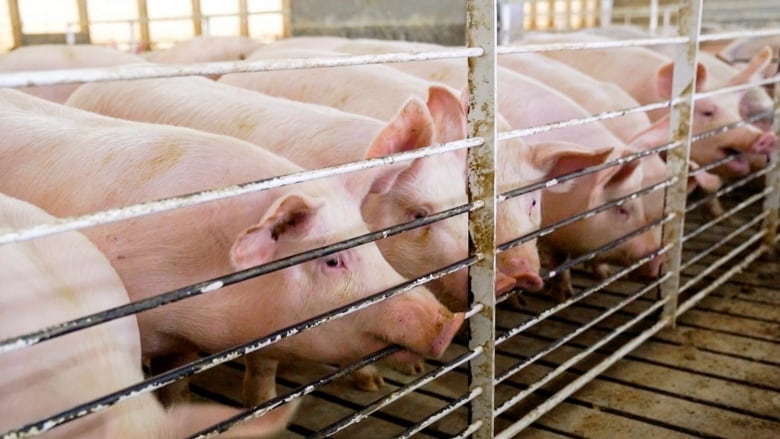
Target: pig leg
(177, 391)
(600, 270)
(559, 286)
(259, 379)
(368, 379)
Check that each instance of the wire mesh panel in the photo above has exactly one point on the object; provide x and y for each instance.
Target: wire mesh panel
(522, 350)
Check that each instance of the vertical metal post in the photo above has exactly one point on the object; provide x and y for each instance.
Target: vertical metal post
(653, 25)
(84, 18)
(533, 12)
(16, 22)
(481, 32)
(197, 18)
(605, 16)
(243, 18)
(683, 86)
(772, 201)
(286, 18)
(143, 25)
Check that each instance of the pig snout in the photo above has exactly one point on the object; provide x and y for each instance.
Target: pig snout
(417, 322)
(504, 283)
(765, 144)
(525, 275)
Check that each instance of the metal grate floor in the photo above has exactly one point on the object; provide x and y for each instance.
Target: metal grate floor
(717, 374)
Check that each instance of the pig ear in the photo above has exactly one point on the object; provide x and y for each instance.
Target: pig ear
(666, 74)
(411, 128)
(621, 174)
(759, 63)
(288, 216)
(449, 118)
(559, 158)
(188, 419)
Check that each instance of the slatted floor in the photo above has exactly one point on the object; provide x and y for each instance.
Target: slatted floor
(717, 374)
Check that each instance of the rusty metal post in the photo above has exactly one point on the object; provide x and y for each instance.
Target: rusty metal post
(143, 25)
(243, 18)
(772, 201)
(481, 27)
(286, 19)
(197, 18)
(683, 86)
(16, 21)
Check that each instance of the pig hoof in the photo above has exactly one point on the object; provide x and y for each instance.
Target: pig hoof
(561, 294)
(411, 369)
(600, 271)
(367, 379)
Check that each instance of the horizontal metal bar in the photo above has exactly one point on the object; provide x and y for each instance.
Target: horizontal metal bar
(166, 204)
(578, 357)
(736, 88)
(554, 47)
(214, 360)
(151, 70)
(712, 266)
(441, 413)
(218, 283)
(729, 213)
(591, 373)
(723, 278)
(580, 329)
(730, 188)
(739, 34)
(298, 392)
(544, 184)
(394, 396)
(470, 429)
(535, 320)
(506, 135)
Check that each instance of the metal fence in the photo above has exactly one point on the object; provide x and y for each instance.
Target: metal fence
(484, 400)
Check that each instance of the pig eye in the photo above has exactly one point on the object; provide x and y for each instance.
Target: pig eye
(417, 213)
(708, 113)
(622, 211)
(333, 262)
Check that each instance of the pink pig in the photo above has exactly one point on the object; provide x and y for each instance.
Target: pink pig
(132, 162)
(316, 136)
(60, 56)
(59, 278)
(647, 76)
(389, 91)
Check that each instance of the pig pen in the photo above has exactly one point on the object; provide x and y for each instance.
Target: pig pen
(695, 352)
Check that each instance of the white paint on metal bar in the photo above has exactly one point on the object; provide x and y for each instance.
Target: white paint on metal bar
(772, 202)
(570, 336)
(440, 414)
(593, 372)
(739, 266)
(553, 47)
(712, 266)
(137, 210)
(505, 135)
(151, 70)
(727, 214)
(396, 395)
(681, 120)
(468, 431)
(717, 36)
(481, 27)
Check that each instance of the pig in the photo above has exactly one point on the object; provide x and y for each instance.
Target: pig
(653, 83)
(203, 49)
(520, 99)
(316, 136)
(133, 162)
(337, 87)
(61, 277)
(60, 56)
(744, 49)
